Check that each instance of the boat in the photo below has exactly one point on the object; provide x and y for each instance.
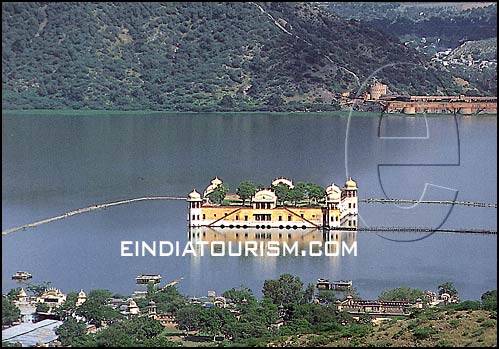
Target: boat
(341, 285)
(144, 279)
(21, 275)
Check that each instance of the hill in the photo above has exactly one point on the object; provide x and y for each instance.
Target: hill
(197, 56)
(444, 25)
(477, 50)
(470, 328)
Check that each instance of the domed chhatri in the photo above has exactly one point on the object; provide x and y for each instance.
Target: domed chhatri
(194, 195)
(270, 208)
(350, 184)
(216, 181)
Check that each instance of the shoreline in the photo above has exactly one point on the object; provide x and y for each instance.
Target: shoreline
(97, 112)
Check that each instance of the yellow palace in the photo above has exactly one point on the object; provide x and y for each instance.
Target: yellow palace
(338, 209)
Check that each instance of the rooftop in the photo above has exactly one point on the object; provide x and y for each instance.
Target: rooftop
(29, 334)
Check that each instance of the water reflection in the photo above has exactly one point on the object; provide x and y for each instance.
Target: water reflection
(272, 242)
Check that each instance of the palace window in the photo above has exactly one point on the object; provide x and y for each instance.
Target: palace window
(289, 218)
(280, 218)
(245, 218)
(204, 216)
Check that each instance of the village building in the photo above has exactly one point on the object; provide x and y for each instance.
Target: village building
(53, 297)
(82, 297)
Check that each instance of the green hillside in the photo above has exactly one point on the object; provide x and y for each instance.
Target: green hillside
(477, 50)
(196, 56)
(443, 24)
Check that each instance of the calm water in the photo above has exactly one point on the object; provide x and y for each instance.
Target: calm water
(54, 164)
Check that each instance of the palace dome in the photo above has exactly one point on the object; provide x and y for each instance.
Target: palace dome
(216, 181)
(350, 184)
(333, 192)
(194, 195)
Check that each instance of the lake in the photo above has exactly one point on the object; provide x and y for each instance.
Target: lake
(53, 164)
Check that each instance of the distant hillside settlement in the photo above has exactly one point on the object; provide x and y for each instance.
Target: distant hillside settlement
(379, 99)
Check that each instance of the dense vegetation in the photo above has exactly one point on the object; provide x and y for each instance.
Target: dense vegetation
(196, 56)
(285, 316)
(448, 24)
(10, 313)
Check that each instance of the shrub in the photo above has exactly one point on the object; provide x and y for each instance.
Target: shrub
(381, 343)
(423, 332)
(319, 340)
(488, 323)
(478, 332)
(413, 324)
(444, 343)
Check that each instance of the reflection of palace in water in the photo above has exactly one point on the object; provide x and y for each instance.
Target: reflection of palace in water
(311, 239)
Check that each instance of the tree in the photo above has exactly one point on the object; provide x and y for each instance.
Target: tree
(217, 321)
(309, 293)
(313, 313)
(42, 308)
(189, 317)
(38, 290)
(246, 190)
(71, 331)
(13, 294)
(315, 192)
(167, 299)
(287, 289)
(128, 333)
(95, 312)
(100, 296)
(328, 296)
(447, 287)
(10, 313)
(402, 294)
(218, 195)
(296, 194)
(150, 288)
(227, 102)
(489, 300)
(254, 320)
(240, 296)
(67, 308)
(275, 100)
(489, 295)
(282, 192)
